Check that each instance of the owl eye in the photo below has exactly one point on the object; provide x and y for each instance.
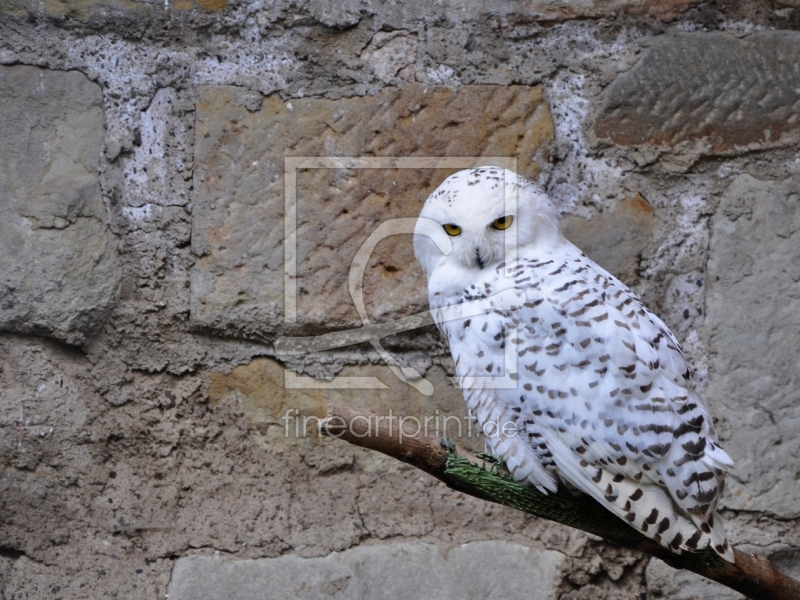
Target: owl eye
(452, 229)
(503, 222)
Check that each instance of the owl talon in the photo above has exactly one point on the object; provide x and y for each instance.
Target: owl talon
(497, 462)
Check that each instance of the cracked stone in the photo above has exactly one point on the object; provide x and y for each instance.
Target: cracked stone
(753, 324)
(60, 269)
(475, 570)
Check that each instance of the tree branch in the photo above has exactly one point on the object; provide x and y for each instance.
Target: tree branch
(752, 575)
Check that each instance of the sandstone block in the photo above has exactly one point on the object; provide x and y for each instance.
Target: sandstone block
(477, 570)
(284, 416)
(60, 273)
(347, 13)
(753, 324)
(105, 10)
(239, 223)
(572, 9)
(722, 93)
(344, 13)
(614, 240)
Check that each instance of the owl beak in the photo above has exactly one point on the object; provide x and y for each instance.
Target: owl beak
(479, 258)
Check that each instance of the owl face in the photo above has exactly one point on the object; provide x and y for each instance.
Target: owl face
(486, 214)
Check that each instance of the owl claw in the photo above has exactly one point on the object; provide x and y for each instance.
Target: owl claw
(497, 462)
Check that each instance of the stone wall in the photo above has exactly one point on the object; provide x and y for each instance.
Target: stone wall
(153, 441)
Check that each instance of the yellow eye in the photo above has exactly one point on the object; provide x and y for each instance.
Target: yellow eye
(503, 222)
(452, 229)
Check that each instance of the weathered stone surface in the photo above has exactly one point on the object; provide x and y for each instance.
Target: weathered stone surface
(392, 54)
(81, 10)
(786, 559)
(722, 94)
(100, 10)
(237, 282)
(571, 9)
(336, 13)
(665, 582)
(614, 240)
(116, 460)
(59, 272)
(478, 570)
(285, 419)
(753, 323)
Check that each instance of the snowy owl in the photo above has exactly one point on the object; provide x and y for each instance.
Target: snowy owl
(577, 382)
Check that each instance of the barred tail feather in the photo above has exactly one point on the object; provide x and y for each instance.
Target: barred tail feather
(719, 538)
(720, 458)
(646, 506)
(715, 529)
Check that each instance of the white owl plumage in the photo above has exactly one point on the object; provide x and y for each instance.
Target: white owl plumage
(597, 393)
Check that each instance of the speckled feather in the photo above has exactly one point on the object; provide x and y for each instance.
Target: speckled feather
(601, 398)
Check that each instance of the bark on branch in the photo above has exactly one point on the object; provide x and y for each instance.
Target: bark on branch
(753, 576)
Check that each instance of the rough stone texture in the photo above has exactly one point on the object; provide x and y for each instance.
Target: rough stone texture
(753, 318)
(57, 483)
(286, 424)
(239, 223)
(59, 274)
(392, 54)
(99, 11)
(160, 435)
(348, 13)
(712, 91)
(480, 570)
(665, 582)
(614, 239)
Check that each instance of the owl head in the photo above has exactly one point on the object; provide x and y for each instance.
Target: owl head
(482, 216)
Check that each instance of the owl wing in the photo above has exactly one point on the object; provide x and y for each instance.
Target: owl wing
(605, 385)
(477, 365)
